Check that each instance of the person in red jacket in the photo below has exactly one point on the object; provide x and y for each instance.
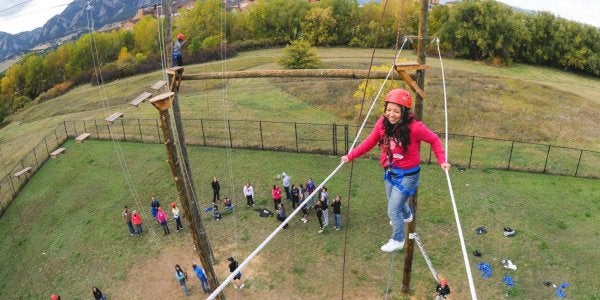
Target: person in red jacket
(399, 135)
(136, 219)
(276, 193)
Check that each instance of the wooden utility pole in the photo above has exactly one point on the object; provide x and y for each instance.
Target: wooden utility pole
(182, 172)
(418, 111)
(163, 103)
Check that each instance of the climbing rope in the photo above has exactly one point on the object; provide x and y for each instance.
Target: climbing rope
(455, 209)
(417, 239)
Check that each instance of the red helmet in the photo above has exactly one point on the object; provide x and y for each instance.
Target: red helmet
(400, 97)
(443, 281)
(180, 36)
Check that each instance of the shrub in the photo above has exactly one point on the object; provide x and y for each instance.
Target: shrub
(299, 55)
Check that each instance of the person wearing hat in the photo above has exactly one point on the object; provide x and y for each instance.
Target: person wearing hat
(176, 216)
(442, 290)
(399, 135)
(177, 58)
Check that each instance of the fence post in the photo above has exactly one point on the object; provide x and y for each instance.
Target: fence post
(97, 131)
(346, 137)
(203, 135)
(471, 154)
(75, 128)
(56, 135)
(546, 162)
(296, 134)
(578, 161)
(37, 163)
(158, 131)
(109, 132)
(12, 187)
(84, 127)
(262, 143)
(333, 139)
(66, 133)
(123, 127)
(229, 133)
(140, 129)
(46, 143)
(512, 145)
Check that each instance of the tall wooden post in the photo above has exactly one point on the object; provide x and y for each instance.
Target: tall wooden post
(418, 111)
(181, 171)
(191, 213)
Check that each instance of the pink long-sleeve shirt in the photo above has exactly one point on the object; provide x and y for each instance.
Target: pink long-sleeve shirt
(404, 160)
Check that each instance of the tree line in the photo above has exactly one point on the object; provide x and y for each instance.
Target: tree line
(483, 30)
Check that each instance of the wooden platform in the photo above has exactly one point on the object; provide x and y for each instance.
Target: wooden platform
(175, 70)
(57, 152)
(113, 117)
(79, 139)
(158, 85)
(139, 99)
(22, 172)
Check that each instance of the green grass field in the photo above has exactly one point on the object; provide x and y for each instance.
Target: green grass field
(64, 232)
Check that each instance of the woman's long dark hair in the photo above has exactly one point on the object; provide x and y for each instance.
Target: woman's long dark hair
(399, 131)
(178, 269)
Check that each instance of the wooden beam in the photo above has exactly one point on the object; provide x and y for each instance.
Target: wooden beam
(411, 83)
(322, 73)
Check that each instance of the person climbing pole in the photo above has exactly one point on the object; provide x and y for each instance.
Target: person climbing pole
(399, 135)
(177, 58)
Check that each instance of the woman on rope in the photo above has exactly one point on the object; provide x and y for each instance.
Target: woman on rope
(399, 135)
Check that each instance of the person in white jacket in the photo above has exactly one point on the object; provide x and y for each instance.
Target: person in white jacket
(249, 193)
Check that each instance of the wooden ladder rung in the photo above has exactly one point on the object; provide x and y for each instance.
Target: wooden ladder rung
(114, 116)
(158, 85)
(141, 98)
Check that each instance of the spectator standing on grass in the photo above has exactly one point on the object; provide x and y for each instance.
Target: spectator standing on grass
(325, 206)
(181, 277)
(136, 219)
(276, 194)
(237, 279)
(399, 136)
(97, 293)
(249, 193)
(303, 209)
(281, 215)
(216, 187)
(286, 181)
(127, 219)
(295, 192)
(154, 206)
(319, 212)
(337, 212)
(310, 188)
(162, 219)
(176, 216)
(202, 277)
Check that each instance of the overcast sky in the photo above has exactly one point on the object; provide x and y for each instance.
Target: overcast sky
(25, 15)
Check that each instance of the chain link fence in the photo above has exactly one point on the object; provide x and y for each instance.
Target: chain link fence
(328, 139)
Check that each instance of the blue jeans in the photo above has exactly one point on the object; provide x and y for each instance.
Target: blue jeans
(131, 230)
(338, 220)
(398, 208)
